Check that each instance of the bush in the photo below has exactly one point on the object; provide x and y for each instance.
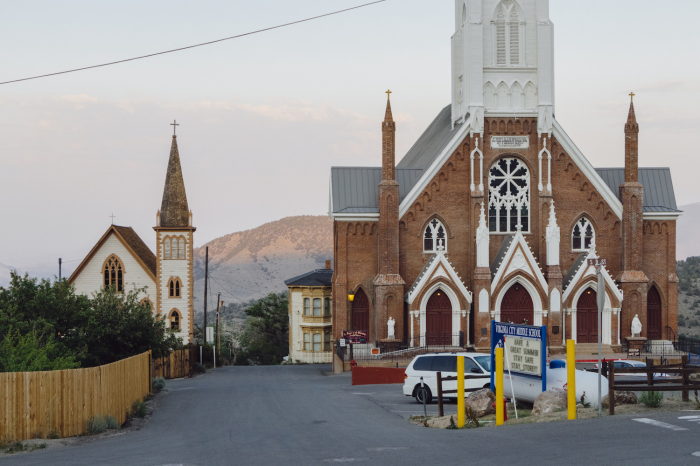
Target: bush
(652, 399)
(96, 425)
(138, 409)
(112, 422)
(54, 434)
(198, 368)
(158, 384)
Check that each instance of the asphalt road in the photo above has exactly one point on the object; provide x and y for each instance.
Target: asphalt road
(294, 415)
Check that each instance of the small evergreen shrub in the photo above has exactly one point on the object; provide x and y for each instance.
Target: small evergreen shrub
(652, 399)
(112, 422)
(96, 425)
(138, 409)
(54, 434)
(158, 384)
(15, 447)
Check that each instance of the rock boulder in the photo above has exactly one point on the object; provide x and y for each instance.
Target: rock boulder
(481, 402)
(621, 398)
(694, 377)
(548, 402)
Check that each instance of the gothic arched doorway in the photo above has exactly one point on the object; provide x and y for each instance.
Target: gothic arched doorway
(360, 312)
(438, 317)
(587, 317)
(517, 306)
(653, 314)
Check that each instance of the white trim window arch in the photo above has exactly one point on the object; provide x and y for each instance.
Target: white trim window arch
(509, 196)
(435, 237)
(582, 235)
(508, 34)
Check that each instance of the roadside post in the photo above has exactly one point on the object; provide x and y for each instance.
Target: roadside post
(600, 295)
(425, 408)
(460, 391)
(571, 378)
(499, 386)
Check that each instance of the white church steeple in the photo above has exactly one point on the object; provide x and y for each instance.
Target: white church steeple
(502, 61)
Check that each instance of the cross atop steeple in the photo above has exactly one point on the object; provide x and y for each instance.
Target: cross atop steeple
(112, 216)
(174, 124)
(388, 94)
(632, 94)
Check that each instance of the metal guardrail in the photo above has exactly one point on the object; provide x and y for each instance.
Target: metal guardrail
(402, 351)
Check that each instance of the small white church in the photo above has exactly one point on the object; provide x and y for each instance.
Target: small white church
(121, 259)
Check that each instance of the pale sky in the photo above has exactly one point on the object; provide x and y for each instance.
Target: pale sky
(263, 118)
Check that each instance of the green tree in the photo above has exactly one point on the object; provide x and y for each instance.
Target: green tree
(50, 311)
(120, 327)
(266, 336)
(26, 354)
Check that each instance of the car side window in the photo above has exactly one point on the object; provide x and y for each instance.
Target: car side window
(618, 364)
(444, 364)
(423, 363)
(469, 364)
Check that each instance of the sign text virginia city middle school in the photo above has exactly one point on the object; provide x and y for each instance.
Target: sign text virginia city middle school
(528, 332)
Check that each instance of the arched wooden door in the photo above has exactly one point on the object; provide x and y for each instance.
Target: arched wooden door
(653, 314)
(438, 319)
(360, 312)
(587, 317)
(517, 306)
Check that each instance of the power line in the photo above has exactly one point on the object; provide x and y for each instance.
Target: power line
(197, 45)
(226, 289)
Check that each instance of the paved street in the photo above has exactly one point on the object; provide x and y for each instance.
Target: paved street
(294, 415)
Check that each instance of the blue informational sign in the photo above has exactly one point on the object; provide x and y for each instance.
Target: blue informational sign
(524, 350)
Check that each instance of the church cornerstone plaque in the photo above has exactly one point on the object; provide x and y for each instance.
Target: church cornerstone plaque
(510, 142)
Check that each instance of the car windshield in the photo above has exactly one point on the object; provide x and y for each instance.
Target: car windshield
(484, 361)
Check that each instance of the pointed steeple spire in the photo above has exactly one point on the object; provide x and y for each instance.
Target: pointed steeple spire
(631, 146)
(388, 117)
(388, 143)
(174, 211)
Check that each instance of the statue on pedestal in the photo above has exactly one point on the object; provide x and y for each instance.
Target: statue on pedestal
(390, 325)
(636, 326)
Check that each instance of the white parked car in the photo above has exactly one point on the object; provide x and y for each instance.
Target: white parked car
(628, 363)
(428, 365)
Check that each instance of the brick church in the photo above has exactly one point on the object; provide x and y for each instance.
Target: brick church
(494, 211)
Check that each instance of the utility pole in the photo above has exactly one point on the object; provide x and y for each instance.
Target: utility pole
(206, 276)
(218, 325)
(216, 330)
(59, 269)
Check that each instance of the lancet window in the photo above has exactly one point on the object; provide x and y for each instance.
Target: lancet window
(582, 236)
(174, 287)
(434, 237)
(114, 273)
(507, 33)
(174, 320)
(509, 196)
(174, 248)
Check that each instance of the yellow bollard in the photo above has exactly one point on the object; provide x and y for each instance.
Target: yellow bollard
(499, 386)
(571, 377)
(460, 391)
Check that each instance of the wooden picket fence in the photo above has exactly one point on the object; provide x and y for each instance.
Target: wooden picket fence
(33, 404)
(175, 366)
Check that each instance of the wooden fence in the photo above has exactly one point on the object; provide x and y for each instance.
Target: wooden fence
(175, 366)
(32, 404)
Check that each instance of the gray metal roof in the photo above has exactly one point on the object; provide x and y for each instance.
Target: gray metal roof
(574, 268)
(501, 254)
(318, 277)
(431, 143)
(356, 189)
(658, 187)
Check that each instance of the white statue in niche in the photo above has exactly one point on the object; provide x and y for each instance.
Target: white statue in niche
(636, 326)
(391, 324)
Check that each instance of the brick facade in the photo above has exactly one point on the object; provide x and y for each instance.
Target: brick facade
(639, 253)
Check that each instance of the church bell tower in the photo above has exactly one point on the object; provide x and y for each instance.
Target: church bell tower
(502, 61)
(174, 253)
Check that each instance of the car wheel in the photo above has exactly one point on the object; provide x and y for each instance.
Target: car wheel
(421, 392)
